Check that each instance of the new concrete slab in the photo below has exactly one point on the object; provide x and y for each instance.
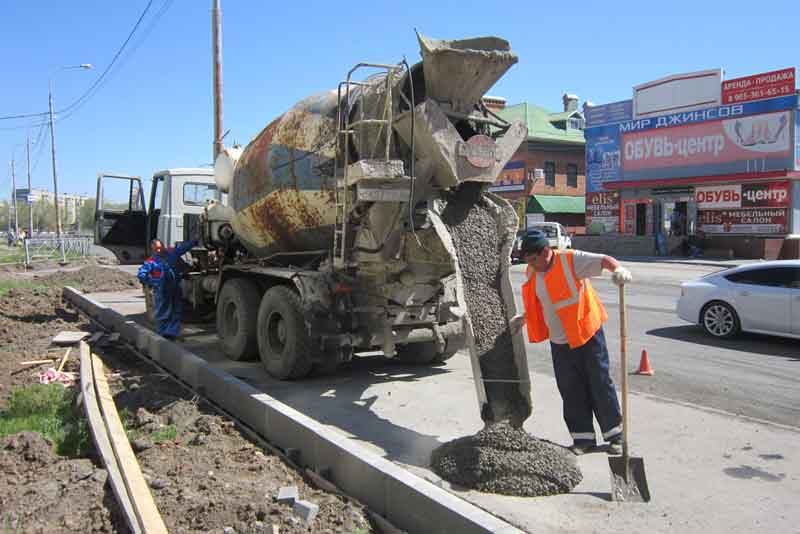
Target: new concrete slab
(710, 472)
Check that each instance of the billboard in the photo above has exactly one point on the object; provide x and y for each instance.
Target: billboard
(746, 144)
(743, 221)
(602, 212)
(678, 92)
(608, 113)
(735, 138)
(759, 86)
(751, 208)
(749, 195)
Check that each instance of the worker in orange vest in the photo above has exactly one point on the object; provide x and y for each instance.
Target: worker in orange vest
(561, 305)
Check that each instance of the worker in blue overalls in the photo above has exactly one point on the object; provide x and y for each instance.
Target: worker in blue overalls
(161, 272)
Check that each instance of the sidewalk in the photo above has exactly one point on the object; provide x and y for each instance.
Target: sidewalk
(723, 263)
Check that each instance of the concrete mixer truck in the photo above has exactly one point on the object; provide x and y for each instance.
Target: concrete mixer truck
(342, 226)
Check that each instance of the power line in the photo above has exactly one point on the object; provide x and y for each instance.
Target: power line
(98, 84)
(86, 94)
(24, 116)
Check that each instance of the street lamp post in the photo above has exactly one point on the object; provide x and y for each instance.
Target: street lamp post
(53, 154)
(28, 199)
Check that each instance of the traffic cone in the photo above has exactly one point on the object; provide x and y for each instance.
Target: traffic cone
(644, 365)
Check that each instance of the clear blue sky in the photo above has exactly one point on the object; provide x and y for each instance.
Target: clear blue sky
(154, 109)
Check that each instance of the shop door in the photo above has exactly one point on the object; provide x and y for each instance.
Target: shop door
(641, 219)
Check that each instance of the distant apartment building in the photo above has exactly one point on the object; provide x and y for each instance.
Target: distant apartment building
(71, 204)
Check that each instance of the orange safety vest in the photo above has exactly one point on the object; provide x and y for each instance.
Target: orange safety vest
(576, 304)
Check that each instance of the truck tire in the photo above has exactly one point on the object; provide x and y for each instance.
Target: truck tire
(424, 353)
(237, 312)
(284, 345)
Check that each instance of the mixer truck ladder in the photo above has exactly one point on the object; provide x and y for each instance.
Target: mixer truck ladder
(345, 129)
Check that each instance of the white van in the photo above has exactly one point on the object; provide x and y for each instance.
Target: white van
(557, 235)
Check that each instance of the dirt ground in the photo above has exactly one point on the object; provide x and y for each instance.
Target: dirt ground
(205, 476)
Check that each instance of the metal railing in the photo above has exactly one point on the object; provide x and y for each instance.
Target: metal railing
(47, 248)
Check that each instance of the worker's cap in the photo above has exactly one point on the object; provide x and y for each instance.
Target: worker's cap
(533, 243)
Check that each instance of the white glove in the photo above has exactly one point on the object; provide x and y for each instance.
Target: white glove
(621, 276)
(516, 323)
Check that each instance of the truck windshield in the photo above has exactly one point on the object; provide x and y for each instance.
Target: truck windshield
(196, 194)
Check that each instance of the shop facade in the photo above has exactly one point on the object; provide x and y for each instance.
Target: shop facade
(696, 164)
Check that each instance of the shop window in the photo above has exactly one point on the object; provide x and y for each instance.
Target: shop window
(550, 173)
(572, 175)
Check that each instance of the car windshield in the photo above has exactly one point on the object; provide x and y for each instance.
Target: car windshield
(549, 231)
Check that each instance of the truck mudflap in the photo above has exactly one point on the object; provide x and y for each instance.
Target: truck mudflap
(499, 362)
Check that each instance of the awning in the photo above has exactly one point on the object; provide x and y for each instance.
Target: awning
(556, 204)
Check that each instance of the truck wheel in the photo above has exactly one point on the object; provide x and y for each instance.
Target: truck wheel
(237, 312)
(283, 342)
(424, 353)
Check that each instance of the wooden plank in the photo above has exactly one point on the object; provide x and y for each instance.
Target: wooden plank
(64, 359)
(68, 337)
(97, 426)
(143, 504)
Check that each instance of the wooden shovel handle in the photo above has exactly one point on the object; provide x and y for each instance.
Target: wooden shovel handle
(623, 341)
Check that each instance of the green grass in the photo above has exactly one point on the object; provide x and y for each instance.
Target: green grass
(51, 411)
(5, 285)
(167, 433)
(161, 435)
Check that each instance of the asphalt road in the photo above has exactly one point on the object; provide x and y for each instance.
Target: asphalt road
(752, 375)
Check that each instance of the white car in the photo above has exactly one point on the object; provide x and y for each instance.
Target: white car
(557, 235)
(762, 298)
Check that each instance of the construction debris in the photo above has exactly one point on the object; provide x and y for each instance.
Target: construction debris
(69, 337)
(287, 494)
(64, 359)
(306, 510)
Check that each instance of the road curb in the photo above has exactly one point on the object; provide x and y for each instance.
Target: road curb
(406, 500)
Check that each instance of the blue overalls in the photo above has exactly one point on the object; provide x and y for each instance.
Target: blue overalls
(158, 272)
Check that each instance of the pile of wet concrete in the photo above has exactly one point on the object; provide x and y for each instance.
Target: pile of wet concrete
(507, 460)
(500, 458)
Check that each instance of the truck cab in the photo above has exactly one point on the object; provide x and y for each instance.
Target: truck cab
(176, 198)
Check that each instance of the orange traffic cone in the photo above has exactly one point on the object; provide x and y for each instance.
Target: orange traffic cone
(644, 365)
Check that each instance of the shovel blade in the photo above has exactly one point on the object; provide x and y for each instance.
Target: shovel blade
(628, 479)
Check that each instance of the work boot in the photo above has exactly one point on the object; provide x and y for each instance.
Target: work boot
(615, 446)
(582, 447)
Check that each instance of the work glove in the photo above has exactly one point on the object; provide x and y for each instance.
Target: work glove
(621, 276)
(516, 323)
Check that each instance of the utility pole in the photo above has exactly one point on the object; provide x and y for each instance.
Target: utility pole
(14, 197)
(30, 192)
(55, 178)
(216, 30)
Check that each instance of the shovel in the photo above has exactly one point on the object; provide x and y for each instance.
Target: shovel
(628, 480)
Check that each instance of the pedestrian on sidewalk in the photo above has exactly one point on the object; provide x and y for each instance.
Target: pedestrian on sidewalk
(162, 272)
(561, 305)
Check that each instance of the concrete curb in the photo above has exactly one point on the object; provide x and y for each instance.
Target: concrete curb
(406, 500)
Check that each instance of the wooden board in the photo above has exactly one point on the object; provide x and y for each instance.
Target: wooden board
(143, 504)
(97, 426)
(68, 337)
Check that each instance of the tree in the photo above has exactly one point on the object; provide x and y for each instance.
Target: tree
(86, 215)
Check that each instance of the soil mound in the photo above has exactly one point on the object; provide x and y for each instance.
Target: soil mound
(507, 460)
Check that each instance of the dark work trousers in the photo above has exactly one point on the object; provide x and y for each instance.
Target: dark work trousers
(586, 388)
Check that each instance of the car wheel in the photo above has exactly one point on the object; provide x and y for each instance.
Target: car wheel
(719, 320)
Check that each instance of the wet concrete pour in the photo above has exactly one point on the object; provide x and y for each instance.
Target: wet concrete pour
(500, 458)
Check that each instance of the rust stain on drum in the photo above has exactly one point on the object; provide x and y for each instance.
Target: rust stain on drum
(272, 218)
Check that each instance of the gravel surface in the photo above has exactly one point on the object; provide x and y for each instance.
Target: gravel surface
(507, 460)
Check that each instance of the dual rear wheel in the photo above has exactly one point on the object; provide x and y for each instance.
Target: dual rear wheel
(272, 327)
